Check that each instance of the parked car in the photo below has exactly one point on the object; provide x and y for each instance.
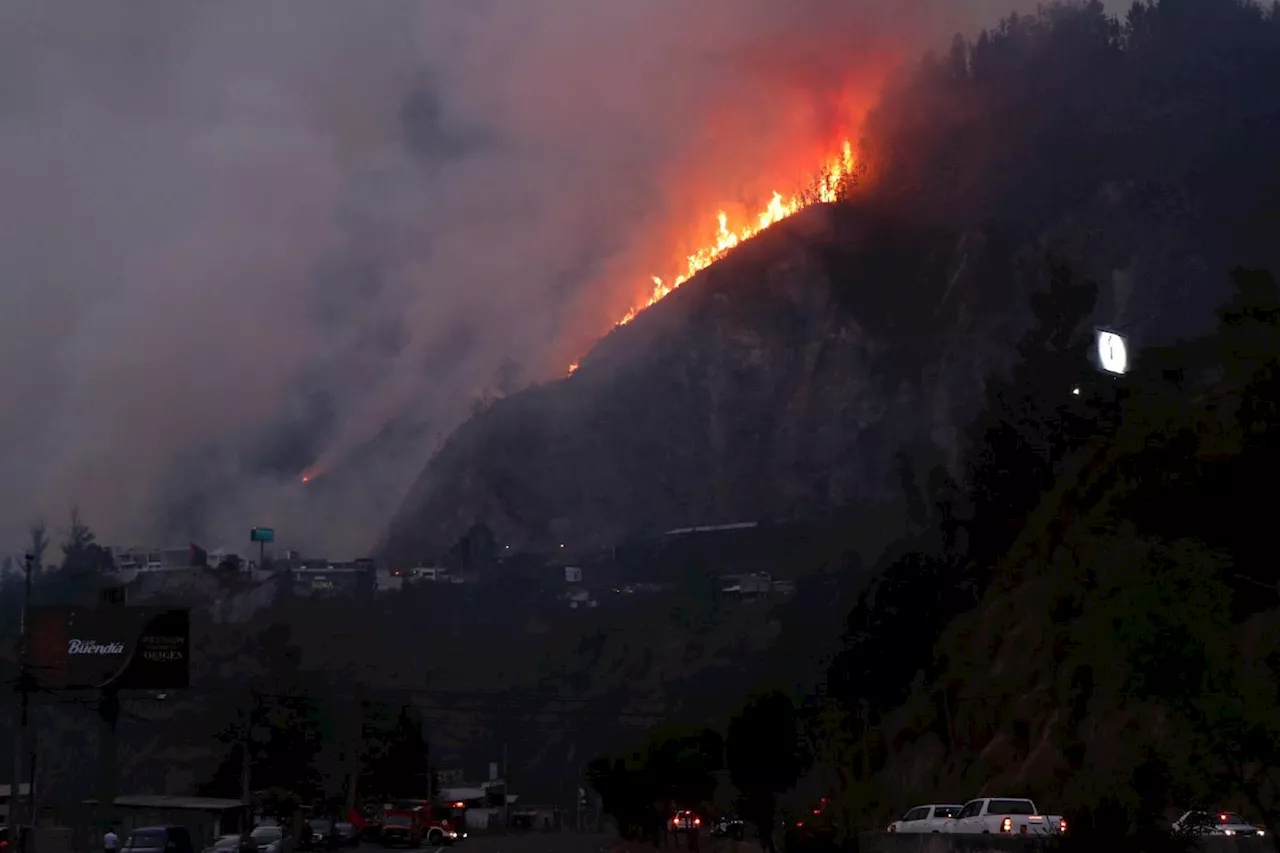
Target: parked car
(685, 820)
(224, 844)
(728, 826)
(318, 834)
(269, 838)
(158, 839)
(931, 818)
(347, 834)
(1202, 822)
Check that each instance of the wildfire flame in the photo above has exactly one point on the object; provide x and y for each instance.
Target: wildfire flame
(825, 187)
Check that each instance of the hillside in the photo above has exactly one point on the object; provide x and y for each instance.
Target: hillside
(754, 392)
(1123, 660)
(781, 380)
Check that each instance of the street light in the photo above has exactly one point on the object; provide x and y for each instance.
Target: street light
(1113, 352)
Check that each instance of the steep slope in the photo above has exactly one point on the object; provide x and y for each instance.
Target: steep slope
(1125, 660)
(758, 390)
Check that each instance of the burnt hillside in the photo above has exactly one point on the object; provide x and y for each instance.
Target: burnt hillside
(782, 380)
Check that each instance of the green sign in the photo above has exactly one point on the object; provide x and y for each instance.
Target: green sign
(262, 534)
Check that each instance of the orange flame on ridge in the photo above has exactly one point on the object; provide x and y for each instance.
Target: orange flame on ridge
(825, 187)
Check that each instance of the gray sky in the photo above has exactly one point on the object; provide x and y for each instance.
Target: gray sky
(215, 215)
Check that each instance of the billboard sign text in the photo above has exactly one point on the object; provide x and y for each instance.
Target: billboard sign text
(142, 648)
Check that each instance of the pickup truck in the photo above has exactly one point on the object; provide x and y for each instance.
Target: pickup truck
(931, 818)
(1004, 816)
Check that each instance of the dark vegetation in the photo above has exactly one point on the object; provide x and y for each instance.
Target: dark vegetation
(1089, 620)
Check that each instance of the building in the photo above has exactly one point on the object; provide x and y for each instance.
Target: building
(206, 818)
(580, 599)
(322, 577)
(750, 585)
(485, 804)
(387, 580)
(6, 792)
(432, 574)
(137, 559)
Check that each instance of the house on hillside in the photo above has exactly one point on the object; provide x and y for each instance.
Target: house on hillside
(747, 586)
(6, 793)
(330, 580)
(580, 598)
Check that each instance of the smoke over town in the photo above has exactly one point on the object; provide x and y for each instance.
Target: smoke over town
(245, 244)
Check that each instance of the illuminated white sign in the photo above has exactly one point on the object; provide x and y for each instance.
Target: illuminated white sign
(1113, 355)
(93, 647)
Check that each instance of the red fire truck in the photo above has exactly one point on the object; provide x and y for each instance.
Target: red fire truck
(438, 824)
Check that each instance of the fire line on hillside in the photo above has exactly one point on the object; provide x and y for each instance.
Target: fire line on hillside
(827, 186)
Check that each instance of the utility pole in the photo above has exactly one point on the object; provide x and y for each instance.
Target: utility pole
(246, 763)
(108, 759)
(506, 788)
(357, 747)
(24, 699)
(426, 744)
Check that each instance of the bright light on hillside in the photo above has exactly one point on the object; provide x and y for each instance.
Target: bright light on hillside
(1113, 354)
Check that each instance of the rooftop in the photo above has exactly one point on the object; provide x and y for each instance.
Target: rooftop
(168, 801)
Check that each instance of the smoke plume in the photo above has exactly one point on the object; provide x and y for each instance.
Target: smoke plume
(249, 242)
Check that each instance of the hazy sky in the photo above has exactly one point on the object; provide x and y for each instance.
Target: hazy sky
(240, 238)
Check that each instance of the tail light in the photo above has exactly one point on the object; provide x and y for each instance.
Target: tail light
(697, 821)
(1006, 825)
(675, 821)
(1062, 824)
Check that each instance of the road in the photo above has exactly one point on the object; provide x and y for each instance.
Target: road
(572, 842)
(569, 842)
(519, 842)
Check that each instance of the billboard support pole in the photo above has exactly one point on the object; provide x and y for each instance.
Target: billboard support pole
(246, 766)
(24, 699)
(108, 766)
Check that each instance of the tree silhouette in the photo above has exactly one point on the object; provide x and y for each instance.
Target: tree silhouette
(475, 549)
(764, 758)
(395, 760)
(674, 769)
(1032, 418)
(38, 544)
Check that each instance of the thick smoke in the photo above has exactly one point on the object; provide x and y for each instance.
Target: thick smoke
(245, 241)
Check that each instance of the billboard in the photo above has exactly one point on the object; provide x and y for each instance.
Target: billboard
(144, 648)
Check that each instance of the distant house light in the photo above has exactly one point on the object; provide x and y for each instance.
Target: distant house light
(1113, 353)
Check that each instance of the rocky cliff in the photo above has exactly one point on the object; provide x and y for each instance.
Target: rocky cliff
(759, 390)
